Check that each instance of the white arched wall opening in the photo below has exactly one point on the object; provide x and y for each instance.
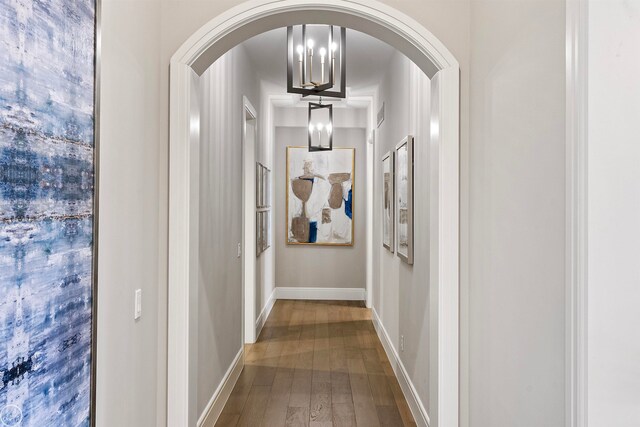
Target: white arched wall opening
(191, 60)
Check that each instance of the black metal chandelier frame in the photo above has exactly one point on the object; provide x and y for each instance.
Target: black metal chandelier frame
(313, 107)
(306, 64)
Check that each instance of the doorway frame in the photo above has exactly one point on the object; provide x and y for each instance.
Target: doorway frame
(248, 218)
(192, 59)
(576, 238)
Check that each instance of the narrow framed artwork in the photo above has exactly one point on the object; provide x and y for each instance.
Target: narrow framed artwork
(320, 191)
(263, 186)
(388, 201)
(266, 185)
(263, 208)
(258, 185)
(49, 102)
(404, 199)
(266, 238)
(259, 233)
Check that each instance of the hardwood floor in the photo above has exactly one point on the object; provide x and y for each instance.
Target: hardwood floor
(317, 364)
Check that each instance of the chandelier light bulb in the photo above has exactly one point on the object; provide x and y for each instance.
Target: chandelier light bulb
(334, 47)
(329, 128)
(320, 126)
(310, 43)
(300, 50)
(323, 53)
(311, 128)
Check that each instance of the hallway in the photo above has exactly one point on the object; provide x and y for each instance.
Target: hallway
(317, 363)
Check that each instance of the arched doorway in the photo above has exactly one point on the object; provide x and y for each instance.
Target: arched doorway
(193, 58)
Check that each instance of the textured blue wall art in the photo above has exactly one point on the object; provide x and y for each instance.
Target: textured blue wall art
(46, 211)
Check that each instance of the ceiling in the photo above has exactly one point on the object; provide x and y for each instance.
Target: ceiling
(367, 57)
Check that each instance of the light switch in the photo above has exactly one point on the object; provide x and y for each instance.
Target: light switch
(138, 304)
(239, 250)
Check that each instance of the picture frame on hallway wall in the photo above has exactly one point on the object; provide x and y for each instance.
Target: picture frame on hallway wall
(259, 178)
(266, 239)
(263, 208)
(263, 235)
(263, 186)
(266, 187)
(404, 199)
(388, 201)
(49, 99)
(320, 191)
(259, 234)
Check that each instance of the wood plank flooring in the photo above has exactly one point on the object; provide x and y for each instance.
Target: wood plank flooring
(317, 364)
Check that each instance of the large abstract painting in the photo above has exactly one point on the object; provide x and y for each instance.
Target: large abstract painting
(388, 181)
(47, 86)
(320, 191)
(404, 199)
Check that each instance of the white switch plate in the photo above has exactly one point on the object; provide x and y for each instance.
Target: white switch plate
(401, 342)
(138, 304)
(239, 250)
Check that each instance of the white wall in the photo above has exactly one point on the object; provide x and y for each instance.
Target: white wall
(401, 292)
(516, 294)
(220, 287)
(614, 213)
(132, 246)
(327, 266)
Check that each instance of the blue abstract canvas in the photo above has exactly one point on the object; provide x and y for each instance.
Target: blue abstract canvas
(47, 61)
(320, 188)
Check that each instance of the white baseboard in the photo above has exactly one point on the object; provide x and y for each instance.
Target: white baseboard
(262, 318)
(418, 410)
(214, 408)
(340, 294)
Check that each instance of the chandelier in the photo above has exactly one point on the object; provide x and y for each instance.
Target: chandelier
(320, 127)
(316, 65)
(319, 69)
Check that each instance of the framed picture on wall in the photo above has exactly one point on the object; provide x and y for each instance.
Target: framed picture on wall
(388, 184)
(319, 196)
(48, 148)
(266, 183)
(259, 233)
(404, 199)
(258, 185)
(263, 208)
(266, 239)
(263, 186)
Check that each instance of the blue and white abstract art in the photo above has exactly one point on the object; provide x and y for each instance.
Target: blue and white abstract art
(320, 187)
(47, 69)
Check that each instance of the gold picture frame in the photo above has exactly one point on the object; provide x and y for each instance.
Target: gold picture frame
(288, 189)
